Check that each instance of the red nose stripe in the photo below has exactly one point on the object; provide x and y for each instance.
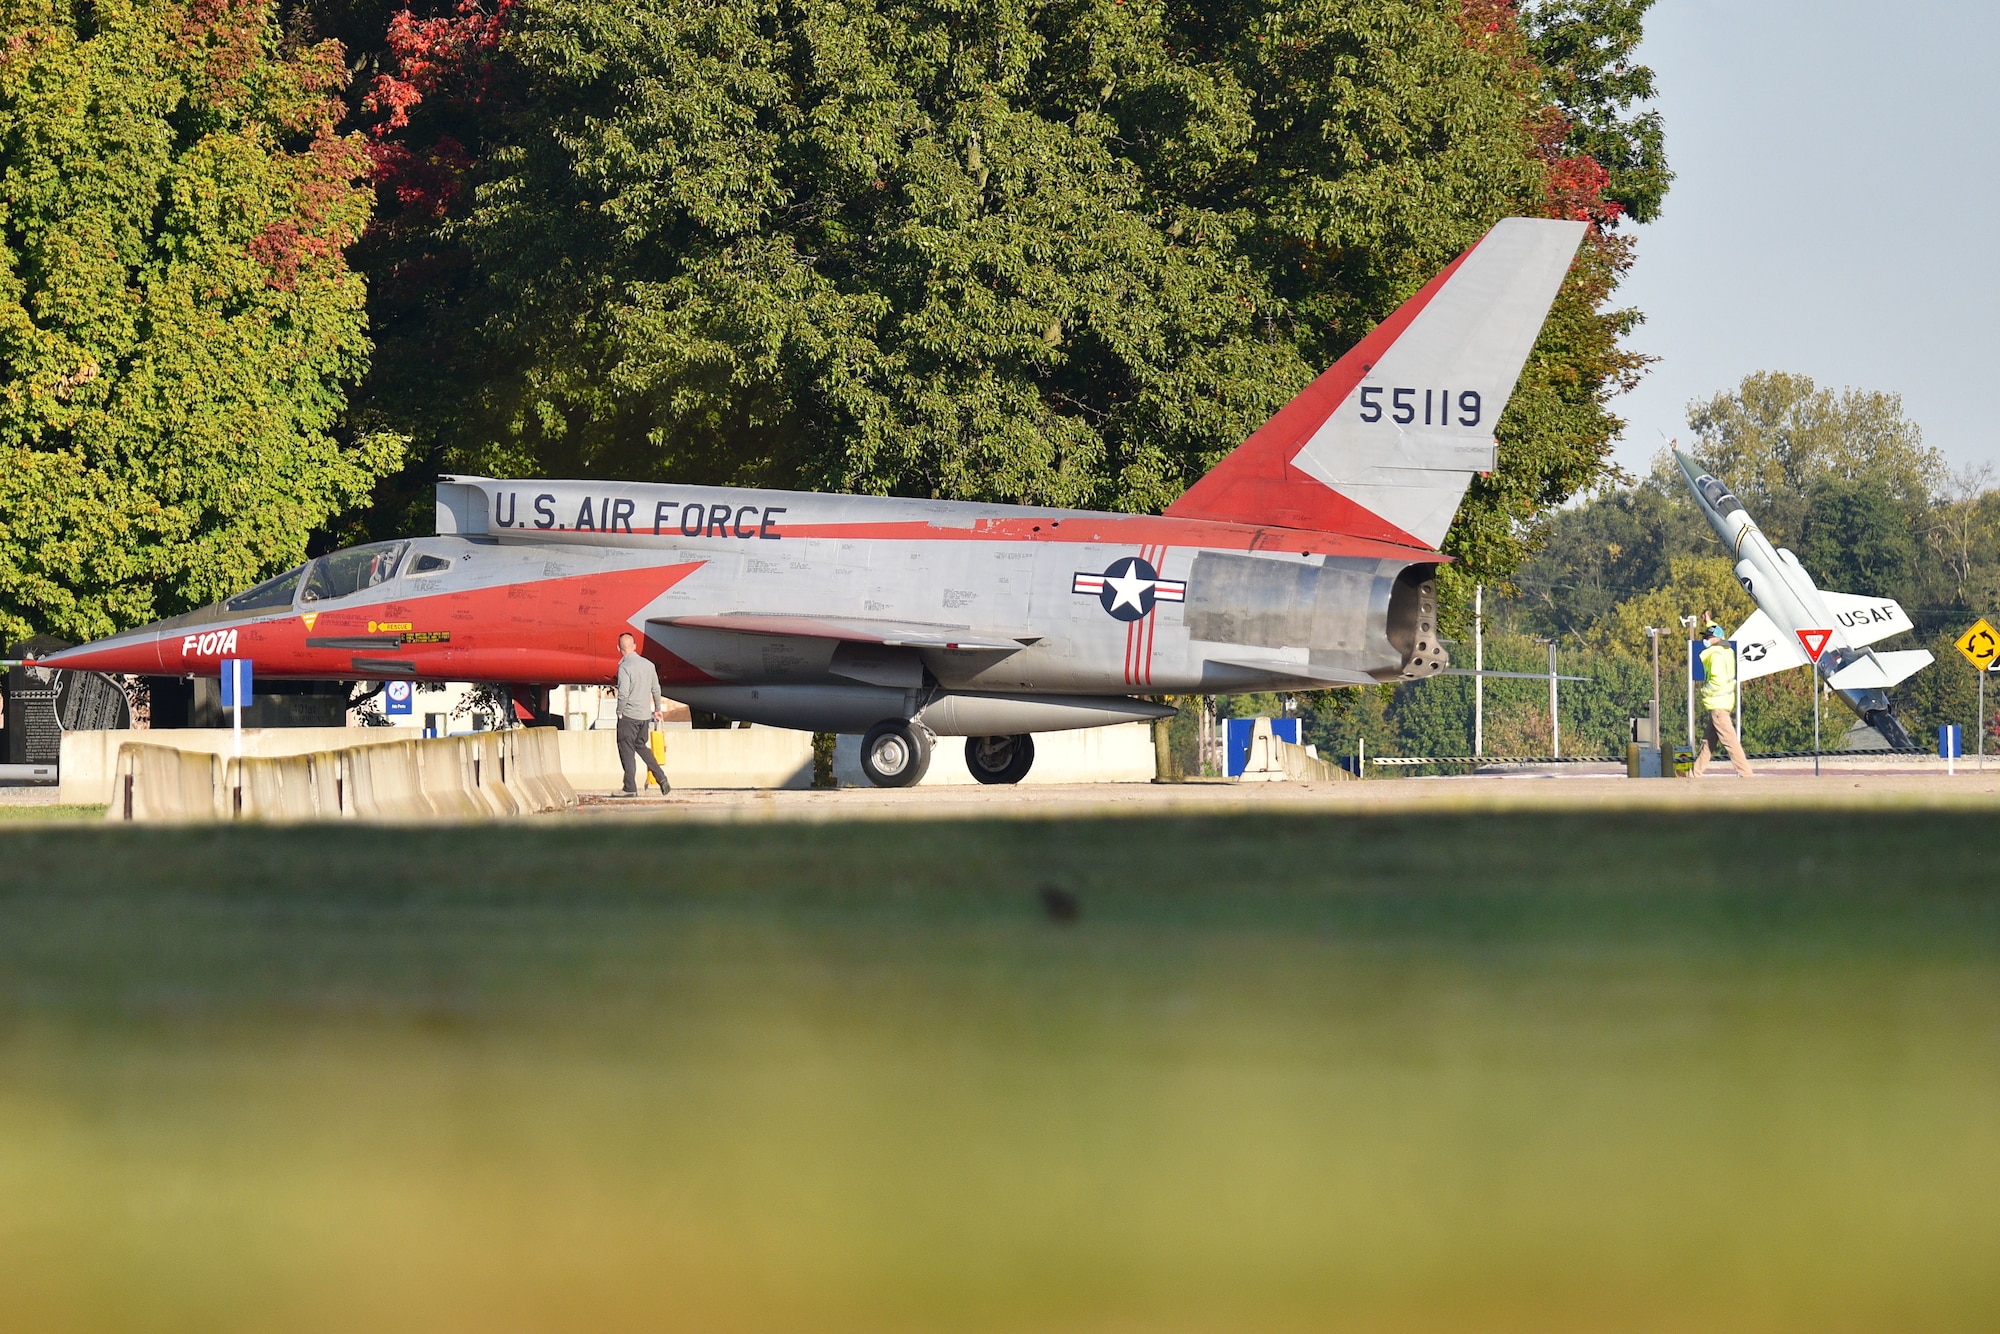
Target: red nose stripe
(531, 632)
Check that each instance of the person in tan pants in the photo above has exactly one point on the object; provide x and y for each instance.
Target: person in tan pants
(1718, 698)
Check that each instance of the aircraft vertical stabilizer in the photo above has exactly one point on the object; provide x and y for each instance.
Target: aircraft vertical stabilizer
(1385, 443)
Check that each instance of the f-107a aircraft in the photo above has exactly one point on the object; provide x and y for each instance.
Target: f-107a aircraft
(1306, 558)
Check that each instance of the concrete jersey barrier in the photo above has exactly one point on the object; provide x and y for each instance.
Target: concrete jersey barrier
(534, 768)
(470, 777)
(157, 783)
(490, 754)
(565, 761)
(523, 772)
(293, 774)
(445, 778)
(88, 757)
(1272, 759)
(278, 788)
(388, 784)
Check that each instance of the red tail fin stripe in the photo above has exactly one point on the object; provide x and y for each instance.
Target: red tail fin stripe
(1258, 484)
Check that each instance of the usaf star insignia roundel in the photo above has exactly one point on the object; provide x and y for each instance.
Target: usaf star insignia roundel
(1129, 588)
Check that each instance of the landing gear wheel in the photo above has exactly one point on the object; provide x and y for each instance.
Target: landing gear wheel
(1000, 759)
(895, 753)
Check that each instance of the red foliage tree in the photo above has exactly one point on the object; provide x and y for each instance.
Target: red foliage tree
(450, 61)
(1576, 182)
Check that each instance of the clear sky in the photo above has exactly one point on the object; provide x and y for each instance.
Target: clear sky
(1833, 212)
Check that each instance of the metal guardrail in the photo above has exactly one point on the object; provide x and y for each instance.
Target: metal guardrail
(1417, 761)
(1917, 754)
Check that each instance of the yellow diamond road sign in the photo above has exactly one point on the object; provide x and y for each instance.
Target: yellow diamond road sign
(1980, 644)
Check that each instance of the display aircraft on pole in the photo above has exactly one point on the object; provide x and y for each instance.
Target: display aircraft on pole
(1797, 623)
(1306, 558)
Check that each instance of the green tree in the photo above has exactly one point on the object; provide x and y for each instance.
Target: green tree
(1858, 539)
(1963, 535)
(1585, 49)
(177, 322)
(1434, 716)
(1593, 557)
(1776, 438)
(1337, 721)
(1777, 715)
(1703, 587)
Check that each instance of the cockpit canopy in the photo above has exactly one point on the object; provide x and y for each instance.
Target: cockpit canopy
(1718, 497)
(336, 575)
(343, 573)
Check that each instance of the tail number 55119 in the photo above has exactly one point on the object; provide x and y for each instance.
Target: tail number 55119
(1436, 407)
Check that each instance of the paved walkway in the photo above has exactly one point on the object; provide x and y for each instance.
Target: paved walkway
(1853, 788)
(1842, 789)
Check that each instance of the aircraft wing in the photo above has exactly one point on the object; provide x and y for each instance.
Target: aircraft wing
(860, 630)
(1866, 619)
(1762, 648)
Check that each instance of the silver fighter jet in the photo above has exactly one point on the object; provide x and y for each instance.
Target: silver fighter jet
(1306, 558)
(1790, 605)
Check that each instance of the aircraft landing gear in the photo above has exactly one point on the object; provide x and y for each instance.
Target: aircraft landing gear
(895, 753)
(1000, 759)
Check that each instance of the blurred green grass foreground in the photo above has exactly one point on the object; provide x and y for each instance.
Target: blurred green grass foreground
(1543, 1071)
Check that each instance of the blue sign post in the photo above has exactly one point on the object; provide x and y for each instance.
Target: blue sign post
(399, 698)
(237, 677)
(236, 683)
(1951, 746)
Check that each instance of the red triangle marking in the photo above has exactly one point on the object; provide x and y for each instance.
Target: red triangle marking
(1814, 642)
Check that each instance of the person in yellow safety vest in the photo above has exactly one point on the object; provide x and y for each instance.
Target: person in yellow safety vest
(1718, 700)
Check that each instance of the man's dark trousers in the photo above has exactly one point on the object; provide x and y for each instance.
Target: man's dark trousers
(635, 742)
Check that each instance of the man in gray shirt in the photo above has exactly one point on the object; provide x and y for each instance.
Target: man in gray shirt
(639, 706)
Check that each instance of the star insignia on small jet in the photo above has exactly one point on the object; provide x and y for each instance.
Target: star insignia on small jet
(1129, 588)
